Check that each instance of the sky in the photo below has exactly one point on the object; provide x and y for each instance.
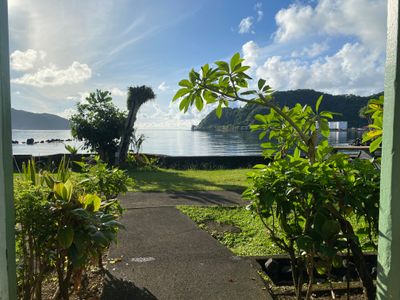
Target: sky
(62, 50)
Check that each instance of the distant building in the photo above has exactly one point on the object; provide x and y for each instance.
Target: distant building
(338, 126)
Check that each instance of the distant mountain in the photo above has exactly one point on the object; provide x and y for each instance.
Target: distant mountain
(21, 119)
(239, 118)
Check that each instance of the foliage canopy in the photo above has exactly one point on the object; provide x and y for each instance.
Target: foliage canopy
(99, 124)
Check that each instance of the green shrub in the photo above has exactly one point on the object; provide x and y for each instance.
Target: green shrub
(308, 192)
(61, 226)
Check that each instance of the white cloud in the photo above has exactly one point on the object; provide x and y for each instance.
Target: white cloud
(331, 46)
(53, 76)
(353, 69)
(314, 50)
(163, 86)
(151, 115)
(246, 24)
(25, 60)
(251, 53)
(258, 9)
(117, 92)
(80, 97)
(364, 19)
(67, 113)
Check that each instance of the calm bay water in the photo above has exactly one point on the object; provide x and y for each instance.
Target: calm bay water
(168, 142)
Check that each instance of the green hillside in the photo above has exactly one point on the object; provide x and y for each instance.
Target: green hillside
(239, 118)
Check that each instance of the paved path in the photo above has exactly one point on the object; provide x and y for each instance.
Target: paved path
(164, 255)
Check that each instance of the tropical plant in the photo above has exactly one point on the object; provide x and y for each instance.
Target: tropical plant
(59, 227)
(374, 111)
(105, 181)
(99, 124)
(137, 96)
(299, 197)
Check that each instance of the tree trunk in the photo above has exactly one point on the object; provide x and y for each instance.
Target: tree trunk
(365, 276)
(126, 136)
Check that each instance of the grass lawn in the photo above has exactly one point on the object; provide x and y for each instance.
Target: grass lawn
(240, 231)
(251, 241)
(162, 180)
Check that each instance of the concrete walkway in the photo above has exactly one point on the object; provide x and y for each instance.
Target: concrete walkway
(164, 255)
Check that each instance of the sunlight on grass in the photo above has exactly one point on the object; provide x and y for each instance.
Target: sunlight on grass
(251, 241)
(161, 180)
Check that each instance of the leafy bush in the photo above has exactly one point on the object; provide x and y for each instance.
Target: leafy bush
(310, 205)
(61, 227)
(99, 124)
(107, 182)
(307, 191)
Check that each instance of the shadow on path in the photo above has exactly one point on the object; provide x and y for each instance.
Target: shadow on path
(209, 198)
(117, 288)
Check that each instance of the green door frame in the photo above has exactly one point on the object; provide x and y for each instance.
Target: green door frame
(388, 283)
(7, 236)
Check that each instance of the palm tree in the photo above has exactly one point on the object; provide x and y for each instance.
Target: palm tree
(137, 96)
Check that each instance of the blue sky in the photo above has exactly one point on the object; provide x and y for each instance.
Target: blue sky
(61, 50)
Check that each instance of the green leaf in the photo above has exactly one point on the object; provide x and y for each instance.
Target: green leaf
(235, 60)
(259, 166)
(192, 77)
(318, 103)
(92, 201)
(250, 92)
(239, 69)
(68, 186)
(223, 66)
(261, 83)
(184, 103)
(180, 93)
(185, 83)
(205, 70)
(199, 103)
(324, 126)
(65, 237)
(260, 118)
(218, 111)
(100, 239)
(326, 114)
(268, 145)
(375, 144)
(209, 97)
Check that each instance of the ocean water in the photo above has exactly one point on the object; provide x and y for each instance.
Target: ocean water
(167, 142)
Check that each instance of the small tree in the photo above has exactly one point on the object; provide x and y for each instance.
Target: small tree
(99, 124)
(137, 96)
(307, 190)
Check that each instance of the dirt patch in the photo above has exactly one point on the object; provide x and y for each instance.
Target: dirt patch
(91, 287)
(217, 229)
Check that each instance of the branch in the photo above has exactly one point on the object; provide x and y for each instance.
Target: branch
(284, 116)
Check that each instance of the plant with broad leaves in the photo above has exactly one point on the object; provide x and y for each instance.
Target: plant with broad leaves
(374, 134)
(305, 208)
(304, 183)
(64, 229)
